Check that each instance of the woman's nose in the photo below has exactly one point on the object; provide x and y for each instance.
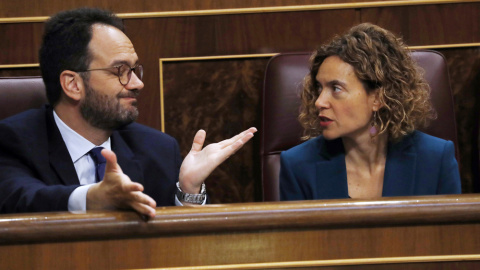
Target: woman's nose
(322, 101)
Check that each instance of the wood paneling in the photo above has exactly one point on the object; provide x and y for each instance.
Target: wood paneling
(429, 24)
(16, 72)
(464, 69)
(21, 43)
(280, 235)
(27, 8)
(227, 91)
(224, 35)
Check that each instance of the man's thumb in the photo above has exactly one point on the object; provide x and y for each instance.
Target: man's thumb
(112, 165)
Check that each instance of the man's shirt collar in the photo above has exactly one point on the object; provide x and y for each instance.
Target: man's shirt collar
(77, 145)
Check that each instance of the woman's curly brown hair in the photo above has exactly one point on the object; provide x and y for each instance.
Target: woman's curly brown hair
(381, 61)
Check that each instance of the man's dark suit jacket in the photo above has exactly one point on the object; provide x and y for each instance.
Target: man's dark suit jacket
(419, 164)
(37, 173)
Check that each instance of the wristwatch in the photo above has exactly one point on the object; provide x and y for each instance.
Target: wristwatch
(192, 198)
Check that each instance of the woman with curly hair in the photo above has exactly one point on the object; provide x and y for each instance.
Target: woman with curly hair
(361, 104)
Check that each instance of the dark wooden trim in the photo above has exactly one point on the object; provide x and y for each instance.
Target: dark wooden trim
(60, 227)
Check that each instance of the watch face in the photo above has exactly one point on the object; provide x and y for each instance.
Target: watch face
(194, 198)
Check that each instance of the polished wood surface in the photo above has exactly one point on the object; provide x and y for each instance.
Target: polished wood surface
(218, 218)
(284, 235)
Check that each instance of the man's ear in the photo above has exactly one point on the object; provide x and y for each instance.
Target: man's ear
(72, 84)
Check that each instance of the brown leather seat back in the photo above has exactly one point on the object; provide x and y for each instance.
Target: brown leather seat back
(18, 94)
(281, 129)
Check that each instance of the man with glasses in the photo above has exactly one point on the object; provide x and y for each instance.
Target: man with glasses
(84, 151)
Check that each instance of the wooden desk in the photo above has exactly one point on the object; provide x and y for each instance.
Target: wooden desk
(435, 232)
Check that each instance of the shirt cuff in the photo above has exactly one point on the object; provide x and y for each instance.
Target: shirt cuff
(77, 202)
(179, 203)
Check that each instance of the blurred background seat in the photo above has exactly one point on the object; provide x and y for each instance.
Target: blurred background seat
(18, 94)
(281, 101)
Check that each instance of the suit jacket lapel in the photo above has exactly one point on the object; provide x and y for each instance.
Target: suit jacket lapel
(399, 178)
(332, 172)
(59, 158)
(126, 158)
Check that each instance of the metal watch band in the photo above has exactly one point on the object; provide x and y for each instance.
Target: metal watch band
(192, 198)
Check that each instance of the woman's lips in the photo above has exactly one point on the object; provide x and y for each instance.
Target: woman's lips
(325, 121)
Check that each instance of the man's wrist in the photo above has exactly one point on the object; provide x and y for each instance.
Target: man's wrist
(77, 202)
(191, 198)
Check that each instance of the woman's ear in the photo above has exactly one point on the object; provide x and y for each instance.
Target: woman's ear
(377, 101)
(72, 84)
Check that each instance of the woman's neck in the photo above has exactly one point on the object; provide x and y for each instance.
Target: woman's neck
(365, 163)
(367, 150)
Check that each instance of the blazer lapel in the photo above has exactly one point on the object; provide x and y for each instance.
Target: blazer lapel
(399, 178)
(59, 158)
(126, 158)
(332, 172)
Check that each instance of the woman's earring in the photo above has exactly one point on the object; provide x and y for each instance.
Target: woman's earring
(373, 129)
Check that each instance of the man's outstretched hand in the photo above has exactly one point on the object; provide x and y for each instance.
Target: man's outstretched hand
(117, 191)
(198, 164)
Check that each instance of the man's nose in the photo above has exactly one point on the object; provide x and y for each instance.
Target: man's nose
(134, 83)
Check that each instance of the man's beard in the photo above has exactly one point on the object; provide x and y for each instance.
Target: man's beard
(106, 112)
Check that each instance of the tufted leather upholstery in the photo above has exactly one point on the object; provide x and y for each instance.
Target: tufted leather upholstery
(18, 94)
(281, 129)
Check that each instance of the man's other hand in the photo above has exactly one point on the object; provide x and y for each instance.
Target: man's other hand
(117, 191)
(199, 163)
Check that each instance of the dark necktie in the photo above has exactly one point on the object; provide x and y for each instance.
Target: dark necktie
(100, 163)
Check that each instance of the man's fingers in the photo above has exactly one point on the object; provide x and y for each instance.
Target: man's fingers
(199, 140)
(231, 148)
(243, 140)
(142, 198)
(144, 209)
(248, 134)
(111, 158)
(143, 204)
(238, 144)
(252, 130)
(132, 187)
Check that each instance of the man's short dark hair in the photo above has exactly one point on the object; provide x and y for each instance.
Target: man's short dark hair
(65, 44)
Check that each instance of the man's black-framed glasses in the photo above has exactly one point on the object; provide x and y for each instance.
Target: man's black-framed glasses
(124, 72)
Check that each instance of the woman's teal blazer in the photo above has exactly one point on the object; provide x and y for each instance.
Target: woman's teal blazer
(419, 164)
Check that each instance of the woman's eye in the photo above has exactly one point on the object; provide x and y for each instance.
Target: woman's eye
(336, 89)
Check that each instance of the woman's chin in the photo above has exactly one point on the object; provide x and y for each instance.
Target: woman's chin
(329, 135)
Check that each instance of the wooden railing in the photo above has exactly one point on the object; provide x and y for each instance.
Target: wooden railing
(402, 231)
